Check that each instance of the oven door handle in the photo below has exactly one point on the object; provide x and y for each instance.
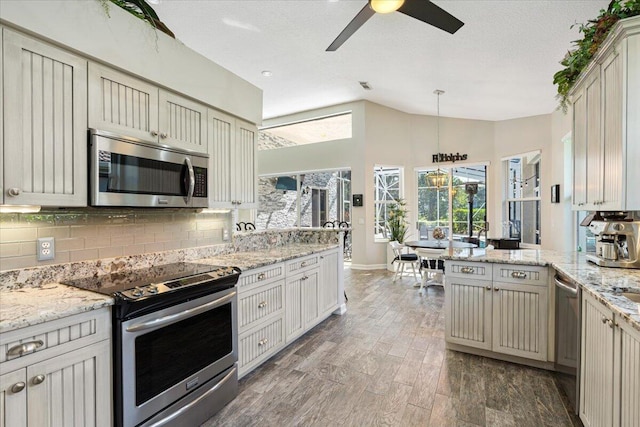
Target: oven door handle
(562, 285)
(173, 318)
(185, 408)
(192, 180)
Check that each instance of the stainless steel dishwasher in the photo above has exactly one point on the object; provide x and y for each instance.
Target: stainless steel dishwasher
(567, 338)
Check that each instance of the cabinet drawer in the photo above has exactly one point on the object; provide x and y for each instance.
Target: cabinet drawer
(470, 270)
(259, 303)
(258, 344)
(52, 338)
(303, 263)
(523, 274)
(260, 276)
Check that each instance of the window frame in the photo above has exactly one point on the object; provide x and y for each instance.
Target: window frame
(381, 237)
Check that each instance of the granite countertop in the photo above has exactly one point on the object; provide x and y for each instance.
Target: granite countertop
(604, 283)
(26, 306)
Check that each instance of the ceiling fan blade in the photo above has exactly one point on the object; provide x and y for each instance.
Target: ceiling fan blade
(357, 22)
(428, 12)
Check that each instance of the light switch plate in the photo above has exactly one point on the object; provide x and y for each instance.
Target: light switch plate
(46, 249)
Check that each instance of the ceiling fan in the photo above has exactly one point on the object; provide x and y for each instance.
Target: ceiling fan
(422, 10)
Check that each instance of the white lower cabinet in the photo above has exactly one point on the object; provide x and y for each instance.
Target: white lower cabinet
(279, 303)
(609, 369)
(506, 315)
(64, 381)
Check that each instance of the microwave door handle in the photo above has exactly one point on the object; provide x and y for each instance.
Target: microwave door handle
(192, 180)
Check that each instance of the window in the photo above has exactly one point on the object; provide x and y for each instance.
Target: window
(310, 131)
(388, 189)
(522, 206)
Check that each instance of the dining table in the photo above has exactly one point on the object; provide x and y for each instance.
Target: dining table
(439, 244)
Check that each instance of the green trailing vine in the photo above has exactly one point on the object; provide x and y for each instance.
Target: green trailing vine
(595, 32)
(140, 9)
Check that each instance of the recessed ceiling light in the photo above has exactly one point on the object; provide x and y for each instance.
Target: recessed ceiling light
(267, 73)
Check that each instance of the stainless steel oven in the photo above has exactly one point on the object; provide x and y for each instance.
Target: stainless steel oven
(129, 172)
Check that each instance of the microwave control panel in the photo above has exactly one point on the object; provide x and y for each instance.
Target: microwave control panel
(200, 189)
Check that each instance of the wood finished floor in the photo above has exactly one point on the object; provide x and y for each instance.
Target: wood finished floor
(384, 363)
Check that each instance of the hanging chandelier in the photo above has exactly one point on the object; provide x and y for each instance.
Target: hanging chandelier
(438, 178)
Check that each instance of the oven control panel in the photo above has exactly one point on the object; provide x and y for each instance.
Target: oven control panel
(153, 289)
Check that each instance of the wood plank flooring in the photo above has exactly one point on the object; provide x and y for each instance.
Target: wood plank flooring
(384, 363)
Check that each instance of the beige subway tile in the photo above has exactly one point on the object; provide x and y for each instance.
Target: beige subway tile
(195, 235)
(172, 227)
(144, 238)
(61, 257)
(172, 245)
(28, 248)
(153, 228)
(111, 252)
(133, 229)
(14, 263)
(153, 247)
(184, 244)
(10, 250)
(206, 242)
(97, 242)
(122, 240)
(207, 225)
(134, 249)
(71, 244)
(56, 232)
(83, 231)
(111, 230)
(83, 255)
(188, 226)
(18, 235)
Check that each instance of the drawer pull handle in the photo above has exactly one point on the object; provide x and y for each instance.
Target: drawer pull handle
(604, 319)
(608, 322)
(24, 348)
(304, 277)
(519, 274)
(38, 379)
(263, 304)
(303, 264)
(18, 387)
(261, 276)
(467, 270)
(263, 342)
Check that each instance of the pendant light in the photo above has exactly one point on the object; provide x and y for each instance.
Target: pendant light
(438, 178)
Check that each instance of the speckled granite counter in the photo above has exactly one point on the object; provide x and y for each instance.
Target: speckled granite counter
(602, 282)
(37, 302)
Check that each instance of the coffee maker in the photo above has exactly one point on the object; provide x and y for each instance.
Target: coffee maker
(617, 243)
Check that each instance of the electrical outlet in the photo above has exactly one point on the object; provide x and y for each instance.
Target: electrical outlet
(225, 234)
(46, 249)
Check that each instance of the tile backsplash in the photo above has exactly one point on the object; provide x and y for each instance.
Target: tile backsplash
(87, 234)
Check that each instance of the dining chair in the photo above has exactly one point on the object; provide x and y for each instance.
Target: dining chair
(403, 259)
(431, 274)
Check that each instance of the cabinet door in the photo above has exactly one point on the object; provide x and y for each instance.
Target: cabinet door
(328, 288)
(579, 197)
(628, 355)
(294, 326)
(596, 364)
(182, 122)
(520, 320)
(13, 403)
(612, 154)
(310, 312)
(243, 184)
(220, 135)
(122, 104)
(45, 130)
(594, 141)
(75, 389)
(468, 312)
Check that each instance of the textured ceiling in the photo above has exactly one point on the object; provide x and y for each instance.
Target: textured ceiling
(498, 66)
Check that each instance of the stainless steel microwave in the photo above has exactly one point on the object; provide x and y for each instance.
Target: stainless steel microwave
(129, 172)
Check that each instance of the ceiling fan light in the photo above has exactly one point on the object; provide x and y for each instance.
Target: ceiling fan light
(385, 6)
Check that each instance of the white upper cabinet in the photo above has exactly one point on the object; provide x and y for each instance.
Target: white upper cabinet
(128, 106)
(232, 147)
(45, 124)
(606, 125)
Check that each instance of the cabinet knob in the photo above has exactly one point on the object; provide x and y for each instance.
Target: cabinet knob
(263, 342)
(38, 379)
(263, 304)
(154, 133)
(13, 192)
(18, 387)
(496, 289)
(261, 276)
(303, 264)
(163, 135)
(488, 288)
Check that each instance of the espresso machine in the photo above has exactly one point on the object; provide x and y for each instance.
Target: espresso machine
(617, 243)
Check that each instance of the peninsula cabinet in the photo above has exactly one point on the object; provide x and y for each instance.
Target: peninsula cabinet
(128, 106)
(328, 289)
(63, 376)
(301, 296)
(606, 124)
(500, 308)
(44, 113)
(232, 146)
(610, 368)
